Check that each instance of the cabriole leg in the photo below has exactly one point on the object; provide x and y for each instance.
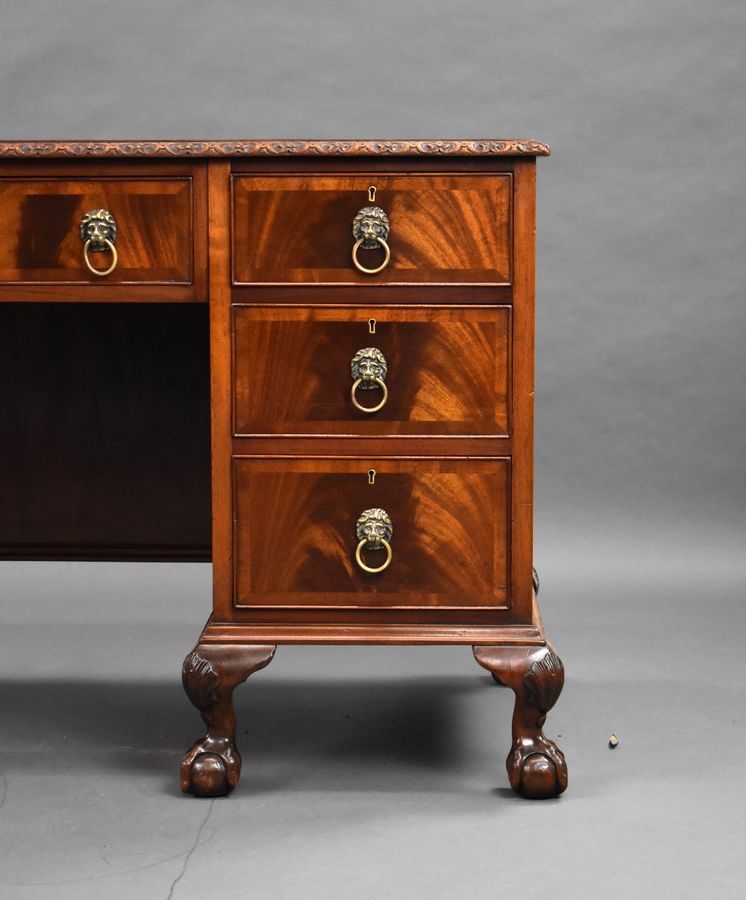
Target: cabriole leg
(211, 672)
(536, 766)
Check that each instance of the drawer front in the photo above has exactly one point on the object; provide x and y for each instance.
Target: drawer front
(443, 229)
(153, 230)
(445, 371)
(296, 532)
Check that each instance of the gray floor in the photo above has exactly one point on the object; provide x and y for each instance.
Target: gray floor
(368, 772)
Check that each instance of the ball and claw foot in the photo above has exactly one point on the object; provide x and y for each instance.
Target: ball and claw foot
(212, 765)
(536, 766)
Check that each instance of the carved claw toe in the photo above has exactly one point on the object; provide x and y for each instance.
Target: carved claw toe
(537, 769)
(211, 768)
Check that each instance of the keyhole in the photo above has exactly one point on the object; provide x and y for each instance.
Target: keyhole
(371, 476)
(372, 326)
(372, 194)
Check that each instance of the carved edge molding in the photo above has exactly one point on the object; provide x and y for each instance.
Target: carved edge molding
(544, 681)
(96, 149)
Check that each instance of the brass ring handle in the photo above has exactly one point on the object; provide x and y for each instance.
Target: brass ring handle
(98, 231)
(374, 530)
(370, 228)
(369, 409)
(114, 258)
(374, 571)
(361, 267)
(369, 369)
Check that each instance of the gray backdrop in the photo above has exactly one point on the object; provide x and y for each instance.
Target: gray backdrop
(640, 412)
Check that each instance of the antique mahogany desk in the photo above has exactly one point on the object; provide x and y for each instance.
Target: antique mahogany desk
(356, 412)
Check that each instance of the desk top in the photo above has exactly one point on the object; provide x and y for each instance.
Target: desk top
(97, 149)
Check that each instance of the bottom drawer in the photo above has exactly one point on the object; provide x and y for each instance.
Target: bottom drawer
(298, 531)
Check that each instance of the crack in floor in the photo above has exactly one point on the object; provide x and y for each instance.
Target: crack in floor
(161, 862)
(191, 851)
(153, 865)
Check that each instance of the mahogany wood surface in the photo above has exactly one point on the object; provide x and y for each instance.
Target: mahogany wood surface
(450, 541)
(161, 235)
(536, 766)
(448, 370)
(444, 228)
(324, 630)
(278, 371)
(104, 431)
(459, 394)
(212, 765)
(221, 389)
(522, 398)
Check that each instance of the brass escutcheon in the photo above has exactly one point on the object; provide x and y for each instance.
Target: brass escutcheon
(98, 231)
(374, 530)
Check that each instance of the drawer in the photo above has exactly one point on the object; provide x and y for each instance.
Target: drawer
(445, 370)
(449, 546)
(155, 225)
(442, 228)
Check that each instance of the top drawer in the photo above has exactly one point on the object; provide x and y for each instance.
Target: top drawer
(442, 229)
(136, 230)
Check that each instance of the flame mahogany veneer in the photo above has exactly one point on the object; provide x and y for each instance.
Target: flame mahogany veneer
(262, 232)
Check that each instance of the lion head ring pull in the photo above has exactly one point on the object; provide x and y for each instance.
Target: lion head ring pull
(374, 530)
(98, 231)
(370, 228)
(369, 368)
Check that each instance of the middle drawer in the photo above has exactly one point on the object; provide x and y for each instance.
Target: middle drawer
(375, 371)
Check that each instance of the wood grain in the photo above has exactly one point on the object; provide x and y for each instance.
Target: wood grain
(105, 437)
(210, 674)
(220, 389)
(444, 228)
(450, 532)
(536, 765)
(325, 631)
(522, 497)
(460, 319)
(156, 211)
(448, 370)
